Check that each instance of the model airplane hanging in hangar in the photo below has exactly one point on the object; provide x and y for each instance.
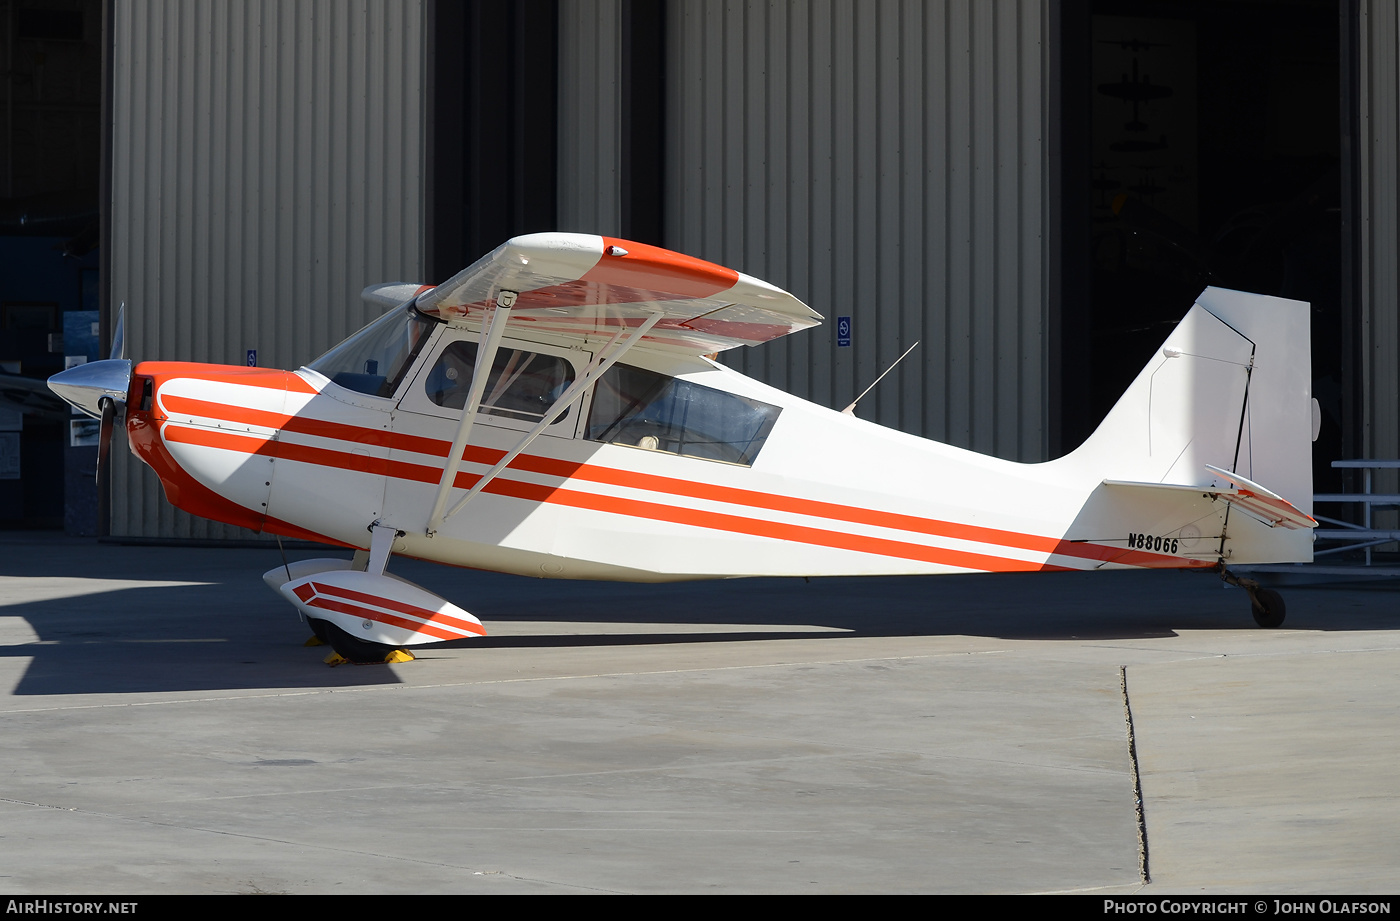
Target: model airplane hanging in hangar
(551, 411)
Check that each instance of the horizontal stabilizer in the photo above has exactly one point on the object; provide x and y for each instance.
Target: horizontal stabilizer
(1271, 508)
(1268, 507)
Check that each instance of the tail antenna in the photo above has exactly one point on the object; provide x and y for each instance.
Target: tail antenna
(851, 410)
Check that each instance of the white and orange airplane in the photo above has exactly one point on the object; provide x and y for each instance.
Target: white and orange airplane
(554, 411)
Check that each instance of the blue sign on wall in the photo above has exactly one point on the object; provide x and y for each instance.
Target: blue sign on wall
(80, 334)
(843, 331)
(252, 358)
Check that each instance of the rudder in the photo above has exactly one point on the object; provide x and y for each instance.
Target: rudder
(1230, 388)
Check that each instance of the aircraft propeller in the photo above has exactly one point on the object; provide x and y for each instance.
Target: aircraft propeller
(99, 389)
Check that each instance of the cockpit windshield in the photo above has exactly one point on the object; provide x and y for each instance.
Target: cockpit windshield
(376, 358)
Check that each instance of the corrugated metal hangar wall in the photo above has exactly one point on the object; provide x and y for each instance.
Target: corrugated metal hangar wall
(885, 162)
(891, 162)
(882, 161)
(1379, 226)
(267, 164)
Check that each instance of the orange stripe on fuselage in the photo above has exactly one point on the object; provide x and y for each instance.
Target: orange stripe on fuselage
(635, 508)
(565, 469)
(269, 378)
(227, 441)
(301, 425)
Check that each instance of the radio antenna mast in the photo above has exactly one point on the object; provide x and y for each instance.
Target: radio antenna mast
(851, 410)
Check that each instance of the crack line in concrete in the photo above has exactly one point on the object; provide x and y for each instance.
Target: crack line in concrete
(1137, 778)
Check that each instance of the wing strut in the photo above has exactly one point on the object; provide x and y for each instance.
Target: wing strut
(605, 359)
(485, 359)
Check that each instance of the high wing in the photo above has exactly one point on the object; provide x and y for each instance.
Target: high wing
(586, 285)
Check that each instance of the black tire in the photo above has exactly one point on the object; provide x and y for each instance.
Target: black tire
(351, 648)
(318, 629)
(1269, 609)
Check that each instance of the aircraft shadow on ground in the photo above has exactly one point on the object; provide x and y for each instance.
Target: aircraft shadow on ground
(231, 633)
(1023, 606)
(170, 638)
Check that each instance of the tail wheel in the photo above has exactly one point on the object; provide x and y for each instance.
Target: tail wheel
(351, 648)
(1268, 606)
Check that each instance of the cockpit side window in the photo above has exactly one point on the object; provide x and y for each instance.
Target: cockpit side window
(640, 408)
(375, 359)
(522, 385)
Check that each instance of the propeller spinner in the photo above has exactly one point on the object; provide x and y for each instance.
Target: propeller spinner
(99, 388)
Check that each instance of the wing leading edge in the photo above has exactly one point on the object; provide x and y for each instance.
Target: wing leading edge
(586, 285)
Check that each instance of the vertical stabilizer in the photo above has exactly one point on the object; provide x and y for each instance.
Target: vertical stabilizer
(1230, 389)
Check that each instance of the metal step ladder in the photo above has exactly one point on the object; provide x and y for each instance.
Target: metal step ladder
(1358, 536)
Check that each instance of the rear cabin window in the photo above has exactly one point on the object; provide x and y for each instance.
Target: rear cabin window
(643, 409)
(522, 385)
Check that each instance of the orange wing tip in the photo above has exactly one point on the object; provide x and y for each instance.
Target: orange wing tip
(583, 285)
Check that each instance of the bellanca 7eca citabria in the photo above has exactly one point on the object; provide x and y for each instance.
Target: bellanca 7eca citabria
(555, 410)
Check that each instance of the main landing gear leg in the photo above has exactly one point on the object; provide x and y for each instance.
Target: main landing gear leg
(1267, 604)
(351, 648)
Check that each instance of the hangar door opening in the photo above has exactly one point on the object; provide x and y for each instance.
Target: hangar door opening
(50, 166)
(1202, 145)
